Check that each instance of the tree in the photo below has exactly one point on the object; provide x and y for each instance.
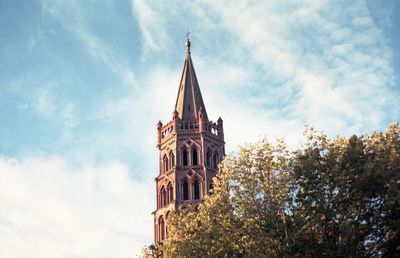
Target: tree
(247, 213)
(383, 176)
(347, 195)
(329, 203)
(330, 198)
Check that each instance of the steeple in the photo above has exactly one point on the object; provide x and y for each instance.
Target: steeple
(189, 100)
(190, 149)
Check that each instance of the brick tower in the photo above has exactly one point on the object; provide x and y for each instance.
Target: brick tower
(190, 149)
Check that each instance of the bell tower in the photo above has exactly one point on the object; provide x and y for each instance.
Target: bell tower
(190, 148)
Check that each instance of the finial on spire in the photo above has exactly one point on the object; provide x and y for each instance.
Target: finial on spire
(187, 44)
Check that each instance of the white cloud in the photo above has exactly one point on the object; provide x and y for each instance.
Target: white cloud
(301, 43)
(50, 208)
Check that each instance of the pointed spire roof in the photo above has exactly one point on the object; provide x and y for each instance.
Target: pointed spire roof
(189, 101)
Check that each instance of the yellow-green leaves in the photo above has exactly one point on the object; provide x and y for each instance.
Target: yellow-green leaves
(335, 197)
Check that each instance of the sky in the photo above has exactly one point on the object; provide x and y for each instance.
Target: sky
(83, 84)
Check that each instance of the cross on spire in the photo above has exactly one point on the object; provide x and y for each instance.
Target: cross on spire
(187, 44)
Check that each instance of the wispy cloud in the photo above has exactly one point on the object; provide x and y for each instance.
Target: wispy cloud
(99, 50)
(75, 19)
(52, 110)
(330, 59)
(140, 113)
(69, 119)
(44, 106)
(151, 23)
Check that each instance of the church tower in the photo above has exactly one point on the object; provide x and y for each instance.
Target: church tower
(190, 148)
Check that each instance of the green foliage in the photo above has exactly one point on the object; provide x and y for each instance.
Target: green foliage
(331, 198)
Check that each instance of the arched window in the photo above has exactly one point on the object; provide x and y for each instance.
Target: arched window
(161, 229)
(195, 161)
(170, 193)
(196, 190)
(165, 163)
(171, 160)
(185, 157)
(208, 158)
(162, 197)
(185, 190)
(215, 160)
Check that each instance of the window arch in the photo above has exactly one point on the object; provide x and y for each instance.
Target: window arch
(185, 157)
(215, 160)
(196, 190)
(163, 197)
(170, 193)
(195, 158)
(165, 163)
(208, 158)
(171, 160)
(161, 229)
(185, 190)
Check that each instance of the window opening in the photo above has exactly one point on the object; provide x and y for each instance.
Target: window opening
(195, 157)
(185, 190)
(184, 157)
(196, 189)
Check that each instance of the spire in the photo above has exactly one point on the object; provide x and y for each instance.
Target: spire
(189, 100)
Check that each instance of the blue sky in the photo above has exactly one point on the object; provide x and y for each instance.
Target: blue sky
(83, 84)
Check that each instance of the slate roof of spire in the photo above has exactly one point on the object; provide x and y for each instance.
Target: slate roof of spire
(189, 100)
